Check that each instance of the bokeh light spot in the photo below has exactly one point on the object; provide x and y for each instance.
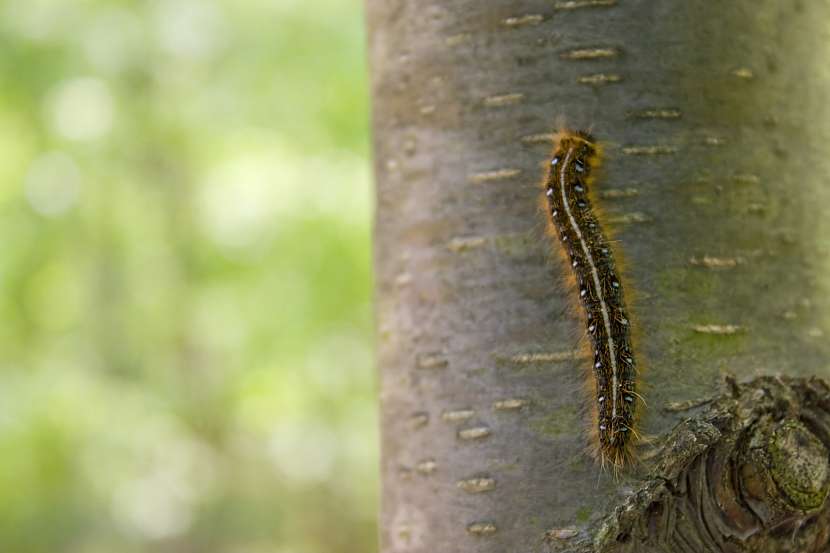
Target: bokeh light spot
(81, 109)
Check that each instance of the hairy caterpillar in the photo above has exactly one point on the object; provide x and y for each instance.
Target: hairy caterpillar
(570, 208)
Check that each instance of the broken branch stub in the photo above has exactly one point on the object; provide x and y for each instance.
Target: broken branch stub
(749, 474)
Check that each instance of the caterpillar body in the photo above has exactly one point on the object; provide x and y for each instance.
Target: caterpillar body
(612, 381)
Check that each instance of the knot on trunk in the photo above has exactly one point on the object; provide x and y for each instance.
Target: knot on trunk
(749, 474)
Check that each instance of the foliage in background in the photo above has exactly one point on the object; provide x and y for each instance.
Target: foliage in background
(185, 308)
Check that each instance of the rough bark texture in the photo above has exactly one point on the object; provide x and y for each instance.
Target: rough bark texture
(716, 128)
(748, 475)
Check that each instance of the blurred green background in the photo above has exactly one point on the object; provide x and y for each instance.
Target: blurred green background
(185, 327)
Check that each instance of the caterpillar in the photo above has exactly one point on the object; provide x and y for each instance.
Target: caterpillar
(612, 381)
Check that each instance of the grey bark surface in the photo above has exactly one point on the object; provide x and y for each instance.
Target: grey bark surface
(715, 124)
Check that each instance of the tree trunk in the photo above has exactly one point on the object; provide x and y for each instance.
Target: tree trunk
(715, 126)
